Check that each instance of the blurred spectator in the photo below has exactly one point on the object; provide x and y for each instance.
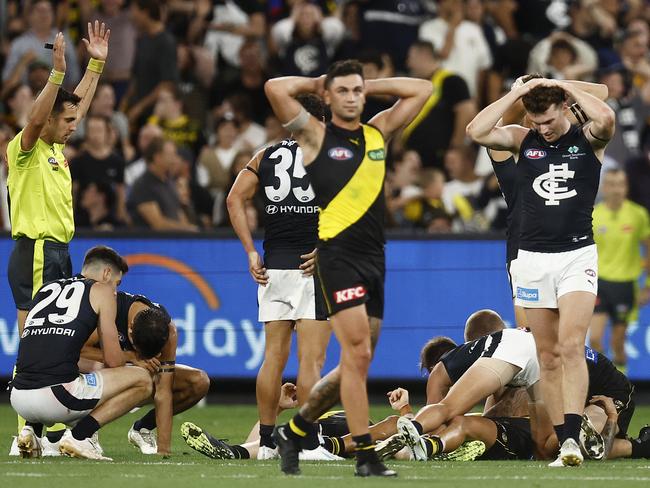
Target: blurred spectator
(638, 176)
(191, 194)
(352, 43)
(37, 75)
(491, 202)
(168, 114)
(6, 135)
(225, 24)
(441, 123)
(155, 59)
(532, 18)
(460, 44)
(633, 51)
(562, 61)
(592, 23)
(17, 106)
(632, 109)
(273, 130)
(137, 168)
(95, 207)
(249, 82)
(463, 187)
(251, 134)
(196, 72)
(98, 162)
(391, 26)
(427, 211)
(119, 65)
(22, 68)
(585, 62)
(41, 30)
(402, 185)
(153, 200)
(213, 167)
(374, 67)
(306, 42)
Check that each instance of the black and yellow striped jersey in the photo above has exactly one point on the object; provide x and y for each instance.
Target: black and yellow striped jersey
(348, 179)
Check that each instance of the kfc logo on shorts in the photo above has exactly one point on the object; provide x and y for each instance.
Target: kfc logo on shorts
(590, 272)
(535, 154)
(348, 294)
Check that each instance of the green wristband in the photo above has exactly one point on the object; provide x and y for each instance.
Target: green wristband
(56, 77)
(96, 65)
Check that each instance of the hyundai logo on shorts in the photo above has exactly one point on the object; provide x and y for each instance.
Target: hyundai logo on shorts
(340, 153)
(535, 154)
(271, 209)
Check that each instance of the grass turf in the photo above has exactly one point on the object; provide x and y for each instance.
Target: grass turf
(188, 469)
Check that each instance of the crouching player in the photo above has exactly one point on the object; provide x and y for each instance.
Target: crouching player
(176, 388)
(48, 387)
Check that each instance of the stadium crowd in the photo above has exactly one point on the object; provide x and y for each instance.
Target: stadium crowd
(181, 108)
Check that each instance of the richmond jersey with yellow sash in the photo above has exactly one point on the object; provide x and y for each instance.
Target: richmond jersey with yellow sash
(618, 234)
(40, 192)
(348, 179)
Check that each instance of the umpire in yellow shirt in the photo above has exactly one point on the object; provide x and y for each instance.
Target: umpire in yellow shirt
(621, 228)
(40, 187)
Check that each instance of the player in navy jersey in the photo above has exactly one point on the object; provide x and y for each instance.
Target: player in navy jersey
(289, 295)
(176, 387)
(556, 268)
(48, 386)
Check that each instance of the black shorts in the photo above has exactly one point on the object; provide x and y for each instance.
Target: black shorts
(616, 299)
(33, 263)
(625, 407)
(514, 440)
(350, 279)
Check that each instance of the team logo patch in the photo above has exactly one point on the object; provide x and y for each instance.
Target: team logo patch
(340, 153)
(528, 294)
(535, 153)
(377, 154)
(550, 185)
(271, 209)
(573, 149)
(348, 294)
(52, 161)
(590, 272)
(91, 379)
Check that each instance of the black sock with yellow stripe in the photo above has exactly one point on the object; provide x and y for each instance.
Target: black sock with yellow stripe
(335, 445)
(433, 446)
(365, 449)
(300, 429)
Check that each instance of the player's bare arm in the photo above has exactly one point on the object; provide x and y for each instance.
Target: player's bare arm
(163, 395)
(438, 384)
(97, 48)
(412, 94)
(102, 300)
(306, 129)
(242, 191)
(43, 105)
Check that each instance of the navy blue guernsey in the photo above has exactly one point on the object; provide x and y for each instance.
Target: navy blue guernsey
(58, 325)
(124, 302)
(459, 360)
(506, 173)
(290, 213)
(605, 379)
(558, 182)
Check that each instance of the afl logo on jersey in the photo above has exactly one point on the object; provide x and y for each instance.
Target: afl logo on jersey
(271, 209)
(340, 153)
(535, 154)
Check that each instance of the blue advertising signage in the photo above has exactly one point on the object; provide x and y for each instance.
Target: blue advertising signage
(431, 288)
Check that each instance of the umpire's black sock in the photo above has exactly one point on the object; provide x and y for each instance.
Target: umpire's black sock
(147, 422)
(572, 422)
(265, 436)
(86, 427)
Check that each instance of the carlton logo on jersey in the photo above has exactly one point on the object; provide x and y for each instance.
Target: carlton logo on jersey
(551, 185)
(535, 153)
(348, 294)
(296, 209)
(340, 153)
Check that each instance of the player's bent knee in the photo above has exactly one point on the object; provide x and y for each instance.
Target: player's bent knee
(199, 383)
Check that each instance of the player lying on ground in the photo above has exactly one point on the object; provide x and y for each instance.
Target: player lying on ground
(48, 386)
(176, 387)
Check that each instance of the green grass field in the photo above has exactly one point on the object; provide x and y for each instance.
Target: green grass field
(188, 469)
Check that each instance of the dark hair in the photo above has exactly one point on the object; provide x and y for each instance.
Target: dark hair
(153, 8)
(482, 323)
(433, 351)
(563, 44)
(539, 99)
(531, 76)
(150, 332)
(313, 104)
(63, 96)
(426, 46)
(371, 56)
(343, 68)
(106, 255)
(154, 147)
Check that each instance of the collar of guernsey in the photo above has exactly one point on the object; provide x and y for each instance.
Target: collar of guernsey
(357, 196)
(40, 192)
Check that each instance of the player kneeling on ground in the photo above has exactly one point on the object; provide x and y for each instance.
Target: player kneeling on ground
(48, 387)
(176, 388)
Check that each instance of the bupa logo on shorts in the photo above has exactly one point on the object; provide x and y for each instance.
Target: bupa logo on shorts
(340, 153)
(377, 154)
(535, 153)
(528, 294)
(91, 379)
(590, 272)
(348, 294)
(271, 209)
